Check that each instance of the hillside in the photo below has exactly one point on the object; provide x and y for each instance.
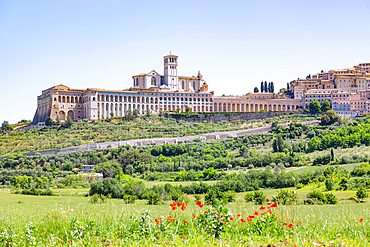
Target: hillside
(84, 132)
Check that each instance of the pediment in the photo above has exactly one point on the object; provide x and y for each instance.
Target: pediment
(153, 73)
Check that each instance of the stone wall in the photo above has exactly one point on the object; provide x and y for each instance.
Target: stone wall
(218, 117)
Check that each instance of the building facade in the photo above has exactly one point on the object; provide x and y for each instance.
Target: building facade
(347, 90)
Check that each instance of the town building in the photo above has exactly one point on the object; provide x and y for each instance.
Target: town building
(347, 90)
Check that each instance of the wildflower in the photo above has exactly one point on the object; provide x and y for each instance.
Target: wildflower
(157, 221)
(315, 224)
(274, 205)
(285, 224)
(290, 225)
(70, 241)
(361, 220)
(206, 212)
(174, 208)
(269, 203)
(182, 236)
(250, 216)
(199, 204)
(231, 218)
(170, 218)
(185, 222)
(249, 219)
(183, 206)
(118, 233)
(300, 222)
(242, 220)
(286, 216)
(269, 211)
(262, 208)
(256, 213)
(178, 204)
(292, 221)
(238, 215)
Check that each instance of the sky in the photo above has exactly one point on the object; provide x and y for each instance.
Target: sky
(235, 44)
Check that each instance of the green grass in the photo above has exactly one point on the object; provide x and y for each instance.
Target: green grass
(348, 167)
(53, 215)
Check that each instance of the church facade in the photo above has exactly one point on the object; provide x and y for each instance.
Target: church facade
(150, 91)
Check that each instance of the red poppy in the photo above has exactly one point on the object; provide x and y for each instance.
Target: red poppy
(173, 204)
(156, 221)
(183, 206)
(262, 208)
(118, 233)
(290, 225)
(250, 216)
(70, 241)
(185, 222)
(60, 241)
(249, 219)
(300, 222)
(170, 218)
(256, 213)
(174, 208)
(315, 224)
(182, 236)
(238, 215)
(263, 213)
(269, 203)
(206, 212)
(178, 204)
(231, 218)
(361, 220)
(198, 202)
(285, 224)
(242, 220)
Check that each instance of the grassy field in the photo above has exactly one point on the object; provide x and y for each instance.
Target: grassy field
(51, 220)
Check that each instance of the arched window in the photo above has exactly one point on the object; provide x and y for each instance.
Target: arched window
(153, 81)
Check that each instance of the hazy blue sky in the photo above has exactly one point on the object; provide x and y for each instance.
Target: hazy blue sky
(235, 44)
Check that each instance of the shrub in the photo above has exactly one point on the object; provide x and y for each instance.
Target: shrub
(286, 197)
(256, 196)
(216, 194)
(361, 193)
(329, 184)
(129, 199)
(331, 198)
(153, 198)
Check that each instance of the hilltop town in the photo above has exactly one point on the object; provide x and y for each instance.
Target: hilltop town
(347, 91)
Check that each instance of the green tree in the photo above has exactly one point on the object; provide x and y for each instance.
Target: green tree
(256, 90)
(315, 107)
(188, 110)
(128, 115)
(136, 112)
(329, 184)
(69, 121)
(325, 106)
(49, 122)
(58, 120)
(111, 114)
(262, 87)
(272, 87)
(266, 90)
(178, 110)
(278, 144)
(362, 193)
(287, 85)
(5, 127)
(147, 111)
(332, 154)
(325, 119)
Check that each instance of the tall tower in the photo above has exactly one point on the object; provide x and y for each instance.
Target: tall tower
(170, 72)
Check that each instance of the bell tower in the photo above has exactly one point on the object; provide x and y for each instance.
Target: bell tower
(170, 72)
